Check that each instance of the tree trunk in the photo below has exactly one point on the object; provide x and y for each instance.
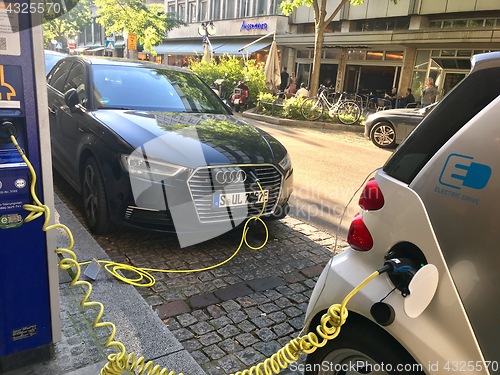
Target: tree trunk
(318, 48)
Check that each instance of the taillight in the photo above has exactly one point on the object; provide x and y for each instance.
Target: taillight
(358, 237)
(371, 198)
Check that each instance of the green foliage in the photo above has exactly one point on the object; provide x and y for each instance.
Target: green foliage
(69, 24)
(148, 21)
(232, 70)
(292, 108)
(288, 6)
(271, 105)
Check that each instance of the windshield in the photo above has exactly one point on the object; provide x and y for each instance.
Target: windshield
(152, 89)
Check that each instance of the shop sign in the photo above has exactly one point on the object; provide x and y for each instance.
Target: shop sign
(253, 26)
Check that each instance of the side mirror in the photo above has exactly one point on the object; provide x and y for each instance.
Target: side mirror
(71, 99)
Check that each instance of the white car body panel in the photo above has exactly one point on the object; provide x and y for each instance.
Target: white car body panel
(444, 333)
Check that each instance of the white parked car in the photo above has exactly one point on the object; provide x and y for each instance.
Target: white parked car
(433, 206)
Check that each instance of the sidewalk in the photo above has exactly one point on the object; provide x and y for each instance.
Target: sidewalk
(81, 350)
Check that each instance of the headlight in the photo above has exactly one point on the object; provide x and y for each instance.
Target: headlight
(286, 163)
(150, 168)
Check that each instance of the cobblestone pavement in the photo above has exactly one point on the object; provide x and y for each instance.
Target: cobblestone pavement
(236, 315)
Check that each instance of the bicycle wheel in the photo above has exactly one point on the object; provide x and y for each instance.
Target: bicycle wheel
(349, 112)
(312, 109)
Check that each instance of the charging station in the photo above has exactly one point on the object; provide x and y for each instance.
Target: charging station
(29, 289)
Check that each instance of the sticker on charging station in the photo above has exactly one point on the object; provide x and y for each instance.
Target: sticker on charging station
(9, 31)
(14, 191)
(11, 89)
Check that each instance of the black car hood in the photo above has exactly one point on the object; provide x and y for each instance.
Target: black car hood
(193, 139)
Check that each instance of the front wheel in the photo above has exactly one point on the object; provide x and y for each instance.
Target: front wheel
(349, 112)
(383, 135)
(95, 206)
(361, 349)
(312, 109)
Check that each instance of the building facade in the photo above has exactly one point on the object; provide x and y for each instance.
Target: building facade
(368, 48)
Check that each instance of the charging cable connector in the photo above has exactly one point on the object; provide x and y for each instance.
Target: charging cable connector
(399, 266)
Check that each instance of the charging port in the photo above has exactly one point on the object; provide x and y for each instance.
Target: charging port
(6, 130)
(415, 260)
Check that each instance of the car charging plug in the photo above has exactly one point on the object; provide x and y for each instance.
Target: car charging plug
(7, 129)
(399, 266)
(253, 177)
(401, 272)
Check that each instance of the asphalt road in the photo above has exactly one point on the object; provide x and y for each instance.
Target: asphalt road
(329, 168)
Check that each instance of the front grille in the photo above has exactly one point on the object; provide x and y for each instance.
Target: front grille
(202, 188)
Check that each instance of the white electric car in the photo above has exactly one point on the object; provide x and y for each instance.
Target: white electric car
(433, 206)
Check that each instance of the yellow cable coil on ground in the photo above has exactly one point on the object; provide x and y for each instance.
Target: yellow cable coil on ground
(328, 329)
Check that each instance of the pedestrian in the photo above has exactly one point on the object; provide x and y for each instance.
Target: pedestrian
(303, 92)
(284, 80)
(429, 93)
(292, 86)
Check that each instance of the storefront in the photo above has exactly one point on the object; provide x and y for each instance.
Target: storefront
(247, 38)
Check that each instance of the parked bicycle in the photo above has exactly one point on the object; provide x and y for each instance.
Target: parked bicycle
(347, 110)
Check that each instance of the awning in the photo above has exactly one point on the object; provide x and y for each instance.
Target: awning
(180, 48)
(219, 47)
(81, 49)
(95, 49)
(237, 48)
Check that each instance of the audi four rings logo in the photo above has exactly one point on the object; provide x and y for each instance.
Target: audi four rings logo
(230, 176)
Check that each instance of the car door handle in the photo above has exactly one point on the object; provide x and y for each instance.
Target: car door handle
(81, 130)
(52, 110)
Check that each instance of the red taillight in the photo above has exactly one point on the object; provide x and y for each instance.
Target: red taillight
(359, 238)
(371, 198)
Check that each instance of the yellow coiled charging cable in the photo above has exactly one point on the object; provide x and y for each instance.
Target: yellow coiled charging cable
(328, 329)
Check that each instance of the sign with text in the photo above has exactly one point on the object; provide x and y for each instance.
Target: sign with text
(132, 42)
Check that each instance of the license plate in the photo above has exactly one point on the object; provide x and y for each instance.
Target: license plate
(239, 199)
(236, 101)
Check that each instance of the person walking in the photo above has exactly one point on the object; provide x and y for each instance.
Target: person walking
(284, 79)
(429, 93)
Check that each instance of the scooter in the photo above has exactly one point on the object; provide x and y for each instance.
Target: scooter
(239, 99)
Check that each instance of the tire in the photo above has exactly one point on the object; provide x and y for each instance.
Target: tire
(383, 135)
(349, 112)
(361, 348)
(95, 204)
(312, 109)
(237, 107)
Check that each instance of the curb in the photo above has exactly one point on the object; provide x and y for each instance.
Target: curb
(303, 124)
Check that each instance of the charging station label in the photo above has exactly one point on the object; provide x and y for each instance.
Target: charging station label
(11, 87)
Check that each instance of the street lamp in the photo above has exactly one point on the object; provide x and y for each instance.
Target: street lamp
(205, 30)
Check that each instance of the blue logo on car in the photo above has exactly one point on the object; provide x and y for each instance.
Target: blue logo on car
(460, 171)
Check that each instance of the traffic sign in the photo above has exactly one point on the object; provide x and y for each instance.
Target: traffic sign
(132, 42)
(59, 45)
(110, 45)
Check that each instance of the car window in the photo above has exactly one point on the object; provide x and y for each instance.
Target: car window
(51, 59)
(57, 76)
(76, 80)
(152, 89)
(452, 113)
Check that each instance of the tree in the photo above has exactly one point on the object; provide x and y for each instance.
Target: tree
(60, 28)
(321, 21)
(148, 21)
